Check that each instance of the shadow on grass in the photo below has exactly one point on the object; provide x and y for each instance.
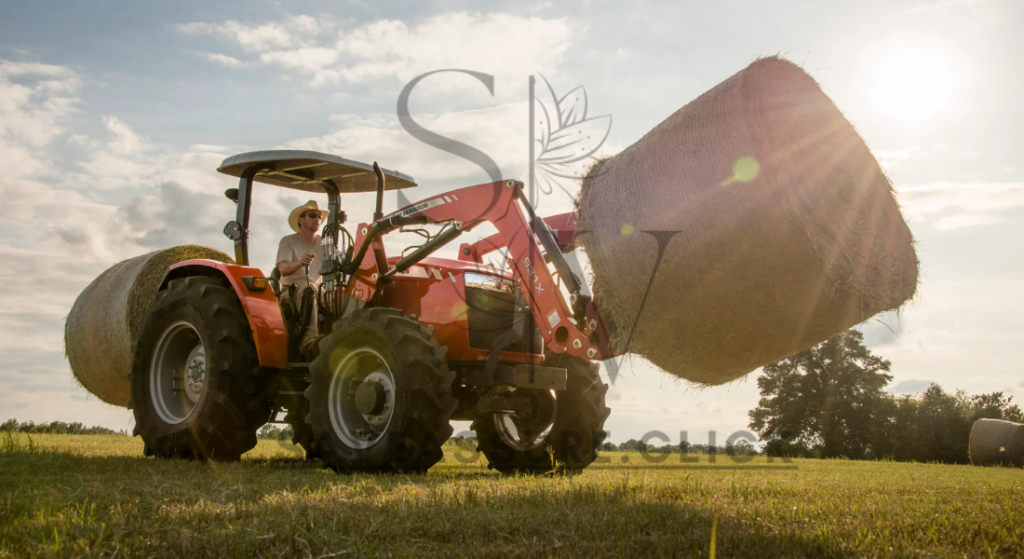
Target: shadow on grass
(67, 504)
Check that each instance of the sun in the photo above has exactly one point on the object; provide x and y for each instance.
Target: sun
(912, 83)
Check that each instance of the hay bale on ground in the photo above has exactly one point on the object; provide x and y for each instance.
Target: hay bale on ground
(994, 441)
(788, 232)
(106, 318)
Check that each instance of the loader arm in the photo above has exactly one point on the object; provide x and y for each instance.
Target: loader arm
(562, 227)
(574, 327)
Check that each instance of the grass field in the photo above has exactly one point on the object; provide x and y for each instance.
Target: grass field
(92, 495)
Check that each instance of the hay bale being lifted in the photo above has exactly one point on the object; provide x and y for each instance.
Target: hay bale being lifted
(107, 316)
(994, 442)
(787, 231)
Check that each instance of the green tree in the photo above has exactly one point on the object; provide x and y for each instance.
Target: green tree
(826, 401)
(943, 426)
(995, 406)
(938, 427)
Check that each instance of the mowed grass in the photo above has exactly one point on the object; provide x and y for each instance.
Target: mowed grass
(97, 495)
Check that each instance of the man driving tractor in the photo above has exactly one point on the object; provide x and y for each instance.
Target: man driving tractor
(298, 260)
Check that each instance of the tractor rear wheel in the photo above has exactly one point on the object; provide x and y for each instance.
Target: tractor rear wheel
(566, 426)
(193, 381)
(380, 394)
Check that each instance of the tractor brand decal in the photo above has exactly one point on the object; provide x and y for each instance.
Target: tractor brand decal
(532, 273)
(554, 318)
(422, 206)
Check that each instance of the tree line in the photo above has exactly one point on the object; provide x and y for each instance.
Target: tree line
(55, 428)
(829, 401)
(739, 448)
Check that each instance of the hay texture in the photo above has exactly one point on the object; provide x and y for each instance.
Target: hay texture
(788, 232)
(107, 316)
(994, 441)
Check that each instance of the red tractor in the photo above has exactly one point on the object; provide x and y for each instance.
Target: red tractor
(407, 343)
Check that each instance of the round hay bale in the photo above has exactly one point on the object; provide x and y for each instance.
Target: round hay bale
(106, 317)
(994, 441)
(779, 229)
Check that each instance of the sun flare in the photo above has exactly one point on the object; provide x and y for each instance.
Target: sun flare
(912, 83)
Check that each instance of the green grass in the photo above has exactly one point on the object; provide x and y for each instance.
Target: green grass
(92, 495)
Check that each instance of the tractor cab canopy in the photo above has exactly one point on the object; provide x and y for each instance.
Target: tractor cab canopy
(302, 170)
(307, 170)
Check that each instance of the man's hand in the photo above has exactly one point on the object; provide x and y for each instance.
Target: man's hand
(288, 268)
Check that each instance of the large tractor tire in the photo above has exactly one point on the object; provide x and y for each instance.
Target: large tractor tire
(570, 424)
(194, 378)
(380, 396)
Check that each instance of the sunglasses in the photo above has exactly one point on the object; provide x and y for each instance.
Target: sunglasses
(316, 215)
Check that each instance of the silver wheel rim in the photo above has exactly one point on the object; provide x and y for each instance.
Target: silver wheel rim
(356, 429)
(511, 436)
(177, 374)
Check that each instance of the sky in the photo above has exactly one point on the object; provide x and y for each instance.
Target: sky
(115, 115)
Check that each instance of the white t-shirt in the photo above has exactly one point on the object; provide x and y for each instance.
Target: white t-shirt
(292, 249)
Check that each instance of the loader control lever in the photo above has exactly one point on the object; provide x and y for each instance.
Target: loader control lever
(379, 213)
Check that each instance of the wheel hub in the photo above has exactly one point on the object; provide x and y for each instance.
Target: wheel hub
(362, 398)
(528, 430)
(177, 375)
(195, 374)
(370, 398)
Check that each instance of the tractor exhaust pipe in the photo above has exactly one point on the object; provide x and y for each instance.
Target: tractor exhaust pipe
(380, 192)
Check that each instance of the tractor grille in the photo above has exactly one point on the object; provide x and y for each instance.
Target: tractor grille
(490, 315)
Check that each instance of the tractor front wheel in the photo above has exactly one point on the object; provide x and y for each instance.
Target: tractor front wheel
(562, 432)
(193, 380)
(380, 394)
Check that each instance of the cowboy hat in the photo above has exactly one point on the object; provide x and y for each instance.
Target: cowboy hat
(293, 218)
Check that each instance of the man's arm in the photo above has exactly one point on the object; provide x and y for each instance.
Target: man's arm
(288, 262)
(289, 267)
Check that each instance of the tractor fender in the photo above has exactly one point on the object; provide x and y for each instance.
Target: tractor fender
(261, 307)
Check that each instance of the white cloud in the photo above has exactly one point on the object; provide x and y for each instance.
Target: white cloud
(261, 38)
(910, 386)
(222, 59)
(505, 44)
(957, 205)
(960, 221)
(498, 131)
(892, 158)
(33, 111)
(125, 141)
(311, 59)
(943, 7)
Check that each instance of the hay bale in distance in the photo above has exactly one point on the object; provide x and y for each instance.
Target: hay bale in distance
(106, 318)
(787, 230)
(995, 442)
